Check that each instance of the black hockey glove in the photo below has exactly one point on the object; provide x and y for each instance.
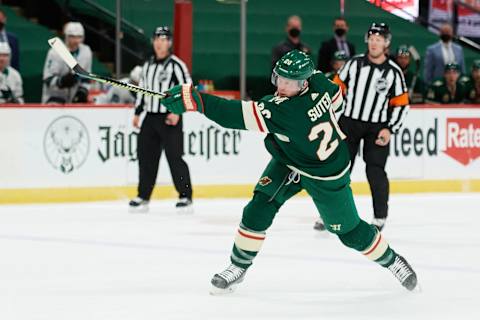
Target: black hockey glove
(81, 96)
(67, 81)
(7, 95)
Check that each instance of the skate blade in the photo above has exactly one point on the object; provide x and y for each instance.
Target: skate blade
(185, 210)
(417, 289)
(215, 291)
(142, 209)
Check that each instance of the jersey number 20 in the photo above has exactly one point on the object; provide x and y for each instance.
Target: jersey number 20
(327, 147)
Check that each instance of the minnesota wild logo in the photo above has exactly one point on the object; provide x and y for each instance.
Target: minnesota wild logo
(446, 97)
(473, 94)
(265, 181)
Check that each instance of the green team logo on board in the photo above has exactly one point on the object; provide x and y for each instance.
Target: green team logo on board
(66, 144)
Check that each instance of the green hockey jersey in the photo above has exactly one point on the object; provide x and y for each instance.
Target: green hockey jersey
(438, 92)
(417, 92)
(330, 75)
(472, 89)
(302, 131)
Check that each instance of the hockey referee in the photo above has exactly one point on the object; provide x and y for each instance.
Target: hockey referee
(376, 106)
(160, 129)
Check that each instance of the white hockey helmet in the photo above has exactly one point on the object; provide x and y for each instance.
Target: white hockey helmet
(135, 74)
(74, 29)
(5, 48)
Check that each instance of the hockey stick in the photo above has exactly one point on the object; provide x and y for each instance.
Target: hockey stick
(59, 47)
(416, 57)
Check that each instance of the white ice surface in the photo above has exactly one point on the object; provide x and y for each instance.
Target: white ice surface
(96, 261)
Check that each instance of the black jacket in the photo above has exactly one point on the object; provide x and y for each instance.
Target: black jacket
(14, 46)
(326, 52)
(283, 47)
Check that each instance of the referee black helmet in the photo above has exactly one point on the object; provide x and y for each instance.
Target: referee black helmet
(381, 29)
(162, 31)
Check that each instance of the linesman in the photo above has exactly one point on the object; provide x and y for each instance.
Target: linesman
(376, 106)
(160, 129)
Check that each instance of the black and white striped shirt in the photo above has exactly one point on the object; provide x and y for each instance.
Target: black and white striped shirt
(160, 75)
(374, 93)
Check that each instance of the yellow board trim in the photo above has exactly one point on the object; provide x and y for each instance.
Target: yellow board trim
(49, 195)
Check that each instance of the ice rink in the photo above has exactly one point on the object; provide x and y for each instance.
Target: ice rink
(95, 261)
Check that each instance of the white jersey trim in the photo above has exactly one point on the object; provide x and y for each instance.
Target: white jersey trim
(337, 100)
(252, 117)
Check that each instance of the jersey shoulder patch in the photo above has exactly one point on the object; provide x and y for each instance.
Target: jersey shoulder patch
(272, 100)
(359, 56)
(86, 48)
(464, 79)
(320, 83)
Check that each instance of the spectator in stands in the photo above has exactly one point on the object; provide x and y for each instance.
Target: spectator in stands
(414, 83)
(336, 43)
(60, 84)
(472, 83)
(442, 53)
(293, 30)
(12, 41)
(338, 61)
(11, 89)
(447, 89)
(120, 95)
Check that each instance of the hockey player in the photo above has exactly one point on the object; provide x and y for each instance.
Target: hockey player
(415, 84)
(60, 85)
(376, 105)
(11, 89)
(447, 89)
(472, 83)
(339, 59)
(120, 95)
(308, 152)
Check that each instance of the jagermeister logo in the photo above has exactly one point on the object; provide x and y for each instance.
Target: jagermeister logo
(66, 144)
(117, 143)
(211, 141)
(206, 142)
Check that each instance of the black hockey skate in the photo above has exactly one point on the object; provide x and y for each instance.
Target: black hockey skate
(319, 225)
(138, 205)
(184, 205)
(404, 273)
(379, 223)
(227, 280)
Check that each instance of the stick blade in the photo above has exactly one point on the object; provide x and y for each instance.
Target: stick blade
(59, 47)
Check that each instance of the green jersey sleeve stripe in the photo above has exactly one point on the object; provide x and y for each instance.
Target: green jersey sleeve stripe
(252, 117)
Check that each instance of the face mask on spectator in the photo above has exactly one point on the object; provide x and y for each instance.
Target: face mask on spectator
(340, 32)
(445, 37)
(294, 32)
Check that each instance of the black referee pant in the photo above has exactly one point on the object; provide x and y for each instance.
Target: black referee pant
(156, 136)
(375, 158)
